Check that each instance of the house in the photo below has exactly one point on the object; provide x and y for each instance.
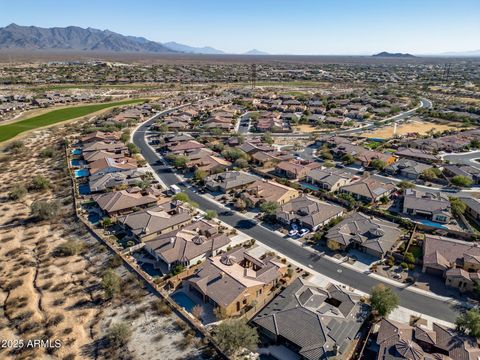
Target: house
(403, 341)
(113, 147)
(308, 212)
(268, 191)
(149, 223)
(184, 146)
(111, 165)
(315, 322)
(229, 180)
(101, 136)
(269, 159)
(471, 172)
(368, 190)
(92, 156)
(407, 168)
(295, 170)
(417, 155)
(367, 233)
(329, 179)
(433, 206)
(118, 202)
(187, 245)
(251, 147)
(472, 208)
(236, 280)
(210, 164)
(456, 260)
(102, 182)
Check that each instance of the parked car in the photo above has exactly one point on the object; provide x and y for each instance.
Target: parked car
(293, 232)
(303, 232)
(197, 217)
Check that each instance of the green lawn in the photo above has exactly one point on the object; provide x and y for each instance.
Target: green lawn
(11, 130)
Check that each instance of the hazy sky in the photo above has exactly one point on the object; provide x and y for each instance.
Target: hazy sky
(275, 26)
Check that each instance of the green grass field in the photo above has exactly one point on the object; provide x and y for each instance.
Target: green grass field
(11, 130)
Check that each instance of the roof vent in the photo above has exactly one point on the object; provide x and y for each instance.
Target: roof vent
(228, 260)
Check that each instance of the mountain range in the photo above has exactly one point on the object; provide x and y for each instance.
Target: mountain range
(76, 38)
(393, 55)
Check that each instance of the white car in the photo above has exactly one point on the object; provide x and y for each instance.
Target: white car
(293, 232)
(303, 232)
(197, 217)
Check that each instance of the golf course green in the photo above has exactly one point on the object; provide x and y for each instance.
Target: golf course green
(9, 131)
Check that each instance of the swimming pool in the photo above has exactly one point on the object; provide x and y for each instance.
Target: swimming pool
(76, 151)
(183, 300)
(433, 224)
(77, 162)
(84, 189)
(94, 218)
(81, 173)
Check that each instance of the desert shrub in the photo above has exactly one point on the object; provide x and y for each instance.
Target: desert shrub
(45, 210)
(17, 192)
(69, 248)
(40, 182)
(159, 307)
(118, 334)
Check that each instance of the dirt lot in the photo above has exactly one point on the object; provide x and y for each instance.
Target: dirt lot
(414, 126)
(48, 295)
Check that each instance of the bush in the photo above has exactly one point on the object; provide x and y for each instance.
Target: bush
(159, 307)
(111, 284)
(15, 147)
(47, 153)
(40, 183)
(118, 334)
(69, 248)
(404, 265)
(409, 258)
(45, 210)
(18, 192)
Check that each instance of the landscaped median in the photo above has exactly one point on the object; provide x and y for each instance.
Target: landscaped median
(11, 130)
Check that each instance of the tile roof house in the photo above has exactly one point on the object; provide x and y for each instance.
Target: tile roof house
(187, 245)
(229, 180)
(407, 168)
(149, 223)
(329, 179)
(368, 190)
(115, 147)
(184, 146)
(92, 156)
(417, 155)
(317, 323)
(235, 280)
(295, 169)
(102, 182)
(431, 205)
(101, 136)
(118, 202)
(209, 163)
(250, 147)
(370, 234)
(473, 208)
(471, 172)
(111, 165)
(271, 191)
(457, 261)
(401, 341)
(308, 212)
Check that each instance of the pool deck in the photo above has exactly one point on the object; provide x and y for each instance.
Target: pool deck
(208, 317)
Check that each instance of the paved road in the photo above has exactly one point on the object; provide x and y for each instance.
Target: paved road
(417, 302)
(464, 158)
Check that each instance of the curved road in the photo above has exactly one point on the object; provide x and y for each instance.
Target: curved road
(444, 310)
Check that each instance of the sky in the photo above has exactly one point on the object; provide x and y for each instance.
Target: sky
(310, 27)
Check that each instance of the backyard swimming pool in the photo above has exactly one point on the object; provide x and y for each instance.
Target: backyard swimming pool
(94, 218)
(81, 173)
(84, 189)
(77, 162)
(433, 224)
(76, 151)
(183, 300)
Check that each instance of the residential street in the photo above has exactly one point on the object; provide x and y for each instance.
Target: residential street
(409, 299)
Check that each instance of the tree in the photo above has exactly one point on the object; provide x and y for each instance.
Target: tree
(180, 161)
(469, 322)
(132, 148)
(234, 335)
(430, 174)
(45, 210)
(111, 284)
(17, 192)
(199, 175)
(40, 182)
(241, 163)
(269, 207)
(118, 334)
(404, 184)
(240, 204)
(210, 214)
(383, 300)
(267, 137)
(378, 164)
(69, 248)
(348, 159)
(328, 164)
(409, 258)
(106, 222)
(458, 206)
(177, 269)
(461, 181)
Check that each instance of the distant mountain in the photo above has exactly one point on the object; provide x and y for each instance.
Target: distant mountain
(393, 55)
(473, 53)
(75, 38)
(255, 52)
(192, 49)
